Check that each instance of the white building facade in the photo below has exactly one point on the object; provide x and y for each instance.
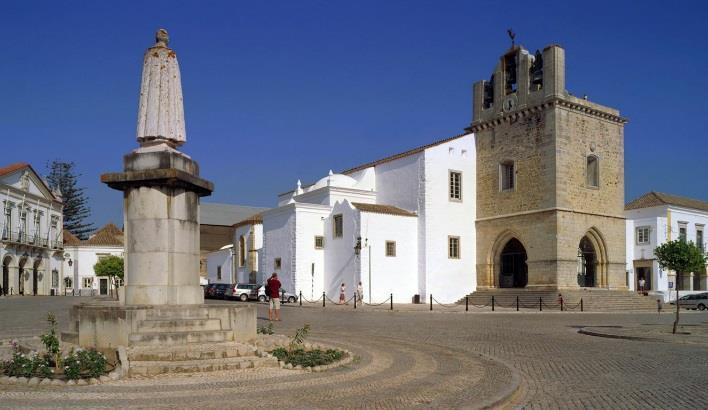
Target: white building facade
(80, 279)
(402, 226)
(31, 247)
(652, 220)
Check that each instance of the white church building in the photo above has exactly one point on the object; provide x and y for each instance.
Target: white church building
(401, 225)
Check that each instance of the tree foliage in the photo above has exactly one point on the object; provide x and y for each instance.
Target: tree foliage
(111, 266)
(680, 256)
(62, 175)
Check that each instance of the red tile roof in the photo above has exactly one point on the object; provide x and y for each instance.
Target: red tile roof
(70, 239)
(658, 199)
(13, 167)
(382, 209)
(109, 235)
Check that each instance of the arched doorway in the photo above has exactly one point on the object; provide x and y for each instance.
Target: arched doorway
(21, 276)
(514, 272)
(587, 263)
(6, 275)
(35, 274)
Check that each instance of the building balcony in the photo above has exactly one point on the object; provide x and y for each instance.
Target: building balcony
(25, 238)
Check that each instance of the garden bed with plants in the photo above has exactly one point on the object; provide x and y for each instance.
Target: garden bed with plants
(295, 353)
(54, 366)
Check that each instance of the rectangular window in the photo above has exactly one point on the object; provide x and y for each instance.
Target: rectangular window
(456, 186)
(338, 226)
(277, 263)
(682, 231)
(642, 235)
(88, 282)
(506, 176)
(8, 222)
(218, 273)
(390, 248)
(319, 242)
(592, 172)
(699, 239)
(453, 247)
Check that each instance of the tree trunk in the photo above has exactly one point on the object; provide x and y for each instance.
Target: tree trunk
(678, 308)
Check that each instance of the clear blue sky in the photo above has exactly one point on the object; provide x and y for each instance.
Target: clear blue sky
(280, 90)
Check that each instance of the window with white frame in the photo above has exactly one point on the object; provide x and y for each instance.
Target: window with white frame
(592, 169)
(7, 226)
(319, 242)
(391, 248)
(88, 282)
(683, 230)
(278, 263)
(453, 247)
(338, 226)
(455, 186)
(699, 238)
(507, 176)
(642, 235)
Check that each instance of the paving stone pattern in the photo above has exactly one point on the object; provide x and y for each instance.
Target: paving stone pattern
(413, 359)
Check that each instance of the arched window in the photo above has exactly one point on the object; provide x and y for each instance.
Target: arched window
(593, 172)
(241, 251)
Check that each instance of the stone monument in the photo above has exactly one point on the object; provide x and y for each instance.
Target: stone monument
(162, 305)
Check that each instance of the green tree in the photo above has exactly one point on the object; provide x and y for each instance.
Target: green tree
(112, 267)
(61, 175)
(681, 257)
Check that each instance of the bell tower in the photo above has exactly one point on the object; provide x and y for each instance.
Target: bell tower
(550, 179)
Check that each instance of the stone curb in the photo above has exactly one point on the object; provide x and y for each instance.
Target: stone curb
(35, 381)
(348, 358)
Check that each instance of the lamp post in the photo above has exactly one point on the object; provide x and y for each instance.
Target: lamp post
(369, 247)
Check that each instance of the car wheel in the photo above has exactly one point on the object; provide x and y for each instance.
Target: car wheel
(701, 307)
(261, 298)
(291, 299)
(243, 297)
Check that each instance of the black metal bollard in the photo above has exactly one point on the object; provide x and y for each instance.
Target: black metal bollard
(467, 304)
(391, 301)
(355, 298)
(581, 304)
(492, 303)
(517, 303)
(561, 304)
(540, 304)
(323, 299)
(300, 298)
(431, 302)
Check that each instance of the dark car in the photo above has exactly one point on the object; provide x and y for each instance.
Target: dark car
(695, 301)
(216, 290)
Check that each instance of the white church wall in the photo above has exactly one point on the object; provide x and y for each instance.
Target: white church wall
(278, 242)
(309, 262)
(389, 274)
(450, 279)
(397, 182)
(340, 263)
(365, 178)
(220, 259)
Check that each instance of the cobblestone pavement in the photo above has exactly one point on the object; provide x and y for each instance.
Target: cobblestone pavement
(410, 359)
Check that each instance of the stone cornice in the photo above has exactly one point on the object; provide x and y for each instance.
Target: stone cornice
(552, 209)
(551, 103)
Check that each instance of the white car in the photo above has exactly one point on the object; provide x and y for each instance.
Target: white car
(284, 296)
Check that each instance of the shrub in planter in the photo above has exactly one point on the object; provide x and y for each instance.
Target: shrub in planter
(308, 358)
(27, 365)
(82, 363)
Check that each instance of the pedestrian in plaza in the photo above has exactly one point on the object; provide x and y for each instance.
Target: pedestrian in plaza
(560, 301)
(659, 305)
(342, 289)
(642, 282)
(360, 293)
(1, 293)
(273, 288)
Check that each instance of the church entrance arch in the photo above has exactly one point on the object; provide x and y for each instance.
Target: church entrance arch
(513, 272)
(35, 273)
(6, 275)
(587, 263)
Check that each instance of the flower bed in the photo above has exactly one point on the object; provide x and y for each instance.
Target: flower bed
(308, 358)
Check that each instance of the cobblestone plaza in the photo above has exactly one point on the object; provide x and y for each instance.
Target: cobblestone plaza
(416, 358)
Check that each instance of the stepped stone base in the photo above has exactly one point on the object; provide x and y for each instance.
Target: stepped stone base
(594, 299)
(170, 339)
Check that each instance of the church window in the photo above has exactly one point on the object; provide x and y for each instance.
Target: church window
(390, 248)
(319, 242)
(241, 251)
(593, 171)
(338, 226)
(456, 185)
(507, 176)
(278, 263)
(642, 235)
(218, 273)
(682, 231)
(453, 246)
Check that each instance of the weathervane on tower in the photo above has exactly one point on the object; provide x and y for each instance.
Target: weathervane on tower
(512, 35)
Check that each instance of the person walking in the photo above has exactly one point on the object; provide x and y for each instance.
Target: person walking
(342, 298)
(360, 293)
(642, 282)
(273, 290)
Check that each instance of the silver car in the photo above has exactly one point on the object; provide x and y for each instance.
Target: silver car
(696, 301)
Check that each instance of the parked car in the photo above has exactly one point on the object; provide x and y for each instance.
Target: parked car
(696, 301)
(285, 297)
(245, 291)
(216, 290)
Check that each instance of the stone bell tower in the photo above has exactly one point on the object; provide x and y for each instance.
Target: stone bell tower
(550, 179)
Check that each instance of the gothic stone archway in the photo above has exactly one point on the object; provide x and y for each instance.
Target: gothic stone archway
(513, 270)
(592, 260)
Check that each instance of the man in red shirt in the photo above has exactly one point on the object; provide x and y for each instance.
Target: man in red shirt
(273, 290)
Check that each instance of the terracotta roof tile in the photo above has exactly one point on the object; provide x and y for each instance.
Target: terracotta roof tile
(70, 239)
(109, 235)
(382, 209)
(13, 167)
(658, 199)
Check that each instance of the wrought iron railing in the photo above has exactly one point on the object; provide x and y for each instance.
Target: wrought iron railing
(24, 237)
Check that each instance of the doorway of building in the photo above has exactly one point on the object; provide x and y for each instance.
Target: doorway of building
(643, 272)
(6, 276)
(514, 272)
(103, 286)
(35, 273)
(587, 263)
(21, 277)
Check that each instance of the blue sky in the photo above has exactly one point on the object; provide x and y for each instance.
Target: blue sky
(280, 90)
